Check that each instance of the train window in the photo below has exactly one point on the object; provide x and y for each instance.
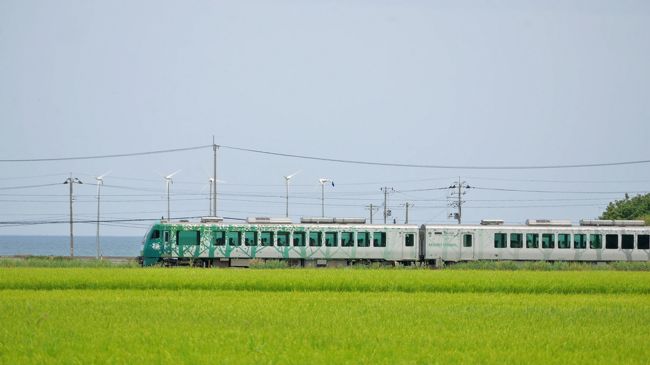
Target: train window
(363, 239)
(409, 240)
(233, 238)
(250, 238)
(516, 240)
(467, 240)
(188, 238)
(563, 240)
(500, 240)
(580, 241)
(299, 239)
(595, 241)
(315, 239)
(611, 241)
(643, 242)
(532, 240)
(548, 240)
(379, 239)
(219, 238)
(166, 236)
(266, 238)
(347, 239)
(331, 239)
(627, 241)
(283, 238)
(155, 234)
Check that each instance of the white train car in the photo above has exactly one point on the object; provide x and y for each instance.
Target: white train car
(547, 240)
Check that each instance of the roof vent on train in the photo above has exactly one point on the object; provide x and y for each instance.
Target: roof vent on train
(332, 220)
(211, 219)
(612, 222)
(268, 220)
(491, 222)
(548, 222)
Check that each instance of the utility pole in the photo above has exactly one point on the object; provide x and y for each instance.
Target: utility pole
(407, 205)
(372, 209)
(461, 186)
(215, 147)
(71, 181)
(386, 191)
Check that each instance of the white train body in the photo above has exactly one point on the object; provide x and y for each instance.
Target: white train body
(535, 243)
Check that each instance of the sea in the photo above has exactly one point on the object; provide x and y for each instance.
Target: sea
(123, 246)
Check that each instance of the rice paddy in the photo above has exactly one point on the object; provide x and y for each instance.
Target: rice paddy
(118, 315)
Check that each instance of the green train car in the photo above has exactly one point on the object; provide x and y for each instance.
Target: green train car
(313, 242)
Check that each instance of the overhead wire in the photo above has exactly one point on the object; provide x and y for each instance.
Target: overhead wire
(338, 160)
(106, 156)
(558, 191)
(434, 166)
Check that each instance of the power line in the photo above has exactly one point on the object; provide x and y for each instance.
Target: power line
(30, 177)
(562, 181)
(347, 161)
(426, 189)
(424, 166)
(26, 186)
(559, 191)
(106, 156)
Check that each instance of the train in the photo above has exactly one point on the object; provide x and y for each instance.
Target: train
(325, 241)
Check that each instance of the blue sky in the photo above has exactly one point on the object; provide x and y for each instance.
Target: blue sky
(469, 83)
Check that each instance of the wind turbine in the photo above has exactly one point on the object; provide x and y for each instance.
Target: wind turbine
(100, 182)
(168, 180)
(212, 183)
(286, 179)
(322, 182)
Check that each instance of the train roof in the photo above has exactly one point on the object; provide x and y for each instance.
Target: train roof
(357, 223)
(548, 224)
(334, 223)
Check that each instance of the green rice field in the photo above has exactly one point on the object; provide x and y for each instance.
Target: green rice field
(131, 315)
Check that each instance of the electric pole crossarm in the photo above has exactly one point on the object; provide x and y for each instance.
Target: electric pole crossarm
(386, 191)
(462, 187)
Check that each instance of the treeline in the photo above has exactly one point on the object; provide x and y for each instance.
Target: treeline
(637, 207)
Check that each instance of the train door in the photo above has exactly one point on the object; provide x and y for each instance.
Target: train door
(409, 248)
(467, 246)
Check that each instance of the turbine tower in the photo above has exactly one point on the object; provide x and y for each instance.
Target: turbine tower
(322, 182)
(286, 179)
(210, 181)
(100, 182)
(168, 180)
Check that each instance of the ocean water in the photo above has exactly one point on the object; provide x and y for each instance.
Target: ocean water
(60, 245)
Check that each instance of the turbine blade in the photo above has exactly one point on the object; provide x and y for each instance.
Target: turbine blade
(292, 175)
(102, 176)
(172, 174)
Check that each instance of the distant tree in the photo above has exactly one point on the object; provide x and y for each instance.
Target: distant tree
(637, 207)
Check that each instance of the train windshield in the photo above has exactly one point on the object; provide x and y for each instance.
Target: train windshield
(144, 239)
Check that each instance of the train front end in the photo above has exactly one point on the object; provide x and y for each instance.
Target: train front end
(152, 246)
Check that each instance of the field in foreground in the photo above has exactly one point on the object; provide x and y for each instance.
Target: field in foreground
(322, 316)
